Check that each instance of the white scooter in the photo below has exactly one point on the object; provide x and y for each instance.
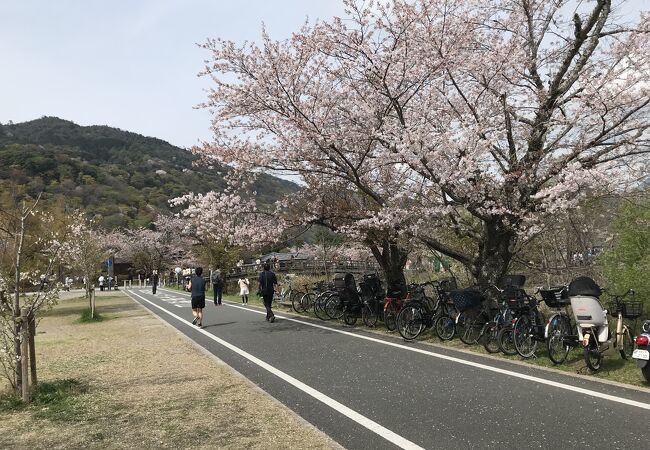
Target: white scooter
(592, 323)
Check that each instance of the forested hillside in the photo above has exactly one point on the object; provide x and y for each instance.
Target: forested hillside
(122, 178)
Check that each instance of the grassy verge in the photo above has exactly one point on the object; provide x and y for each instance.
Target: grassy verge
(132, 382)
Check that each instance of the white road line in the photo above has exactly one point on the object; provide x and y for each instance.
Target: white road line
(341, 408)
(522, 376)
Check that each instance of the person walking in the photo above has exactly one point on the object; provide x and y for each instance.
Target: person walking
(217, 286)
(197, 287)
(267, 283)
(101, 282)
(154, 282)
(243, 289)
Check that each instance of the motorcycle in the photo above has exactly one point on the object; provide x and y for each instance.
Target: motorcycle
(642, 351)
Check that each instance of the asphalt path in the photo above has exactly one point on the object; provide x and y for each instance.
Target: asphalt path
(366, 390)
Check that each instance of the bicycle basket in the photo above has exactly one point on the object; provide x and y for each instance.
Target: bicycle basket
(517, 299)
(465, 299)
(344, 281)
(512, 281)
(632, 309)
(556, 296)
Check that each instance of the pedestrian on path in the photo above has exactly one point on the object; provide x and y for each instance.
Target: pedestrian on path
(154, 282)
(267, 283)
(243, 289)
(197, 287)
(101, 280)
(217, 286)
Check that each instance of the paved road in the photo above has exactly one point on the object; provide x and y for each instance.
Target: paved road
(374, 392)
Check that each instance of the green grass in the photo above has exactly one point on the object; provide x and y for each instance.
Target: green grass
(64, 400)
(86, 316)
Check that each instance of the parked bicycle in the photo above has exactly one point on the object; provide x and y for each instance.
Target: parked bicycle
(303, 301)
(502, 319)
(422, 312)
(286, 295)
(396, 298)
(321, 300)
(372, 295)
(592, 325)
(560, 324)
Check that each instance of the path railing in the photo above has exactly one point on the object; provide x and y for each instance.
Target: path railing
(306, 266)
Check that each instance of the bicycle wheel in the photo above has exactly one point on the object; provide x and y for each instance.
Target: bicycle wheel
(390, 319)
(628, 344)
(490, 333)
(306, 302)
(593, 357)
(410, 322)
(524, 337)
(445, 328)
(319, 306)
(349, 317)
(334, 307)
(369, 315)
(505, 341)
(295, 303)
(294, 296)
(467, 328)
(558, 329)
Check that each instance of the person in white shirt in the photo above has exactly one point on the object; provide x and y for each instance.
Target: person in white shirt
(243, 289)
(101, 282)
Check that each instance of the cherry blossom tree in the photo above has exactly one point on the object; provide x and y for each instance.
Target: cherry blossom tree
(232, 217)
(31, 240)
(463, 124)
(87, 250)
(160, 248)
(541, 109)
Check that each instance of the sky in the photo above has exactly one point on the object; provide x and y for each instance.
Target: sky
(133, 64)
(128, 64)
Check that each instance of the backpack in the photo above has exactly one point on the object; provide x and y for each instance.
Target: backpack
(216, 279)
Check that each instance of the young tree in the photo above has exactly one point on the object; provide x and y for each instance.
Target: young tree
(31, 240)
(463, 123)
(86, 250)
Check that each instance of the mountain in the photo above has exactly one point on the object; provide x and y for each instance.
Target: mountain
(120, 177)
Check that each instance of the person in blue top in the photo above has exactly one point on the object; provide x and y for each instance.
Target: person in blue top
(197, 287)
(267, 283)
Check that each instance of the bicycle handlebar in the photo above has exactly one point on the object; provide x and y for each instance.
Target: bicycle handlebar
(619, 298)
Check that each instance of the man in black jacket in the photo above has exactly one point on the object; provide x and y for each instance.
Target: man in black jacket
(267, 283)
(154, 281)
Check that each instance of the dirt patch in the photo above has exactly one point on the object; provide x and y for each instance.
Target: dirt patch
(145, 387)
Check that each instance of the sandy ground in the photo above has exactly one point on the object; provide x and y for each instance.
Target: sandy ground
(148, 387)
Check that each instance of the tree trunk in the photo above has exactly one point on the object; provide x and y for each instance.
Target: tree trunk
(32, 348)
(494, 254)
(392, 259)
(17, 323)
